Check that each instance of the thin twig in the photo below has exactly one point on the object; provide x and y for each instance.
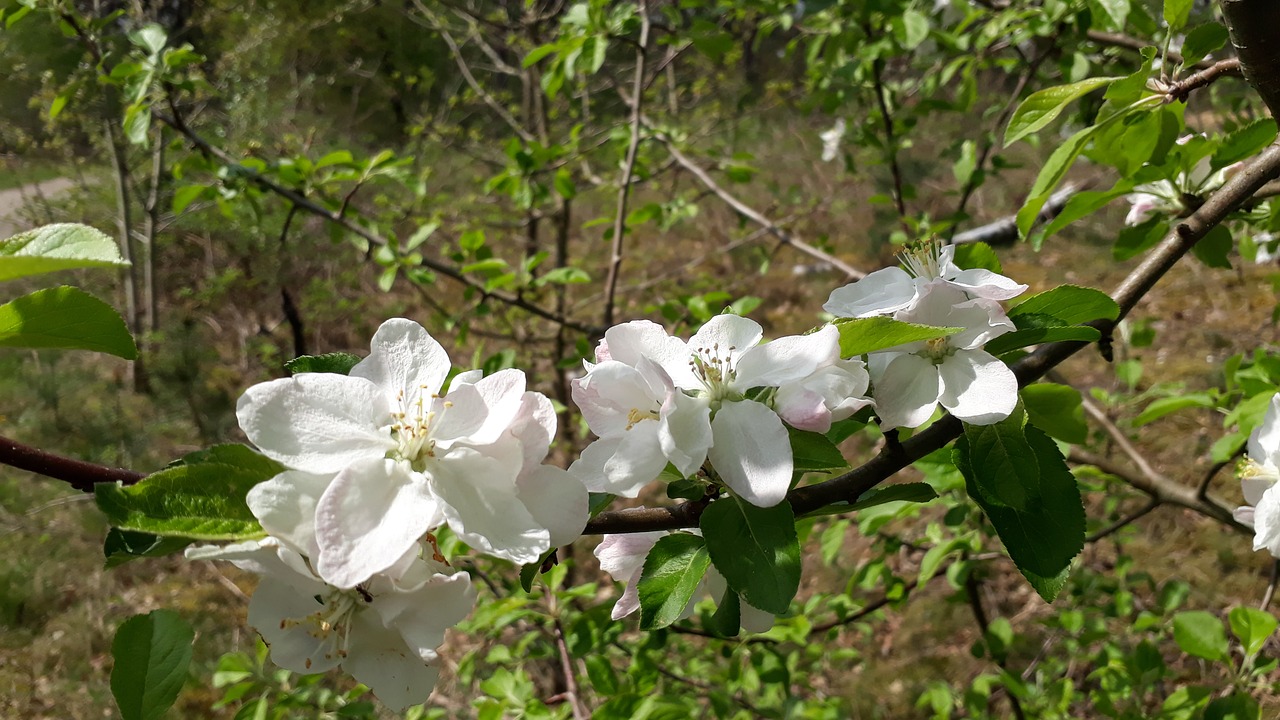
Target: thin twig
(1271, 586)
(1120, 524)
(78, 474)
(574, 697)
(1182, 89)
(628, 168)
(891, 143)
(973, 592)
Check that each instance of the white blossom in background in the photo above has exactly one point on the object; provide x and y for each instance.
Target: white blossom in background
(384, 632)
(383, 457)
(1170, 197)
(654, 399)
(831, 140)
(622, 556)
(891, 289)
(1258, 474)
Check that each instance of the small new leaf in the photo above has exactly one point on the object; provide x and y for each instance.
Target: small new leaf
(672, 571)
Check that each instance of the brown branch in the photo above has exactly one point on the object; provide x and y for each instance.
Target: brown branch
(1137, 44)
(973, 592)
(1182, 89)
(890, 142)
(628, 169)
(78, 474)
(574, 696)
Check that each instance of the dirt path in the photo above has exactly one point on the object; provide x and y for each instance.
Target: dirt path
(11, 201)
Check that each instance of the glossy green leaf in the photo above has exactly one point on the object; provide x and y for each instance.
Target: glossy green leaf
(1064, 305)
(755, 549)
(1035, 336)
(1176, 13)
(813, 452)
(1057, 410)
(121, 546)
(975, 255)
(1200, 633)
(672, 571)
(864, 335)
(339, 363)
(1245, 142)
(1214, 249)
(65, 318)
(1041, 107)
(151, 654)
(1168, 405)
(202, 497)
(1202, 40)
(57, 247)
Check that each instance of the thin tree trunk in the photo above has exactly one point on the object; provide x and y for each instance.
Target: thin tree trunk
(151, 229)
(124, 224)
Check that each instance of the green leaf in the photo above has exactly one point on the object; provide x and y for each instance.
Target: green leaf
(1202, 40)
(137, 122)
(1047, 587)
(1064, 305)
(1165, 406)
(1236, 706)
(977, 255)
(202, 497)
(1057, 410)
(339, 363)
(1214, 249)
(56, 247)
(1200, 633)
(726, 621)
(813, 452)
(1116, 10)
(864, 335)
(185, 195)
(121, 546)
(1035, 336)
(65, 318)
(1245, 142)
(755, 549)
(1080, 205)
(151, 37)
(1041, 107)
(529, 571)
(1048, 531)
(56, 107)
(915, 28)
(563, 183)
(151, 654)
(1051, 173)
(1252, 627)
(916, 492)
(1176, 13)
(672, 571)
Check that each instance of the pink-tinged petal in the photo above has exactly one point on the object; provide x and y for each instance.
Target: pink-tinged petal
(286, 507)
(608, 395)
(481, 502)
(802, 409)
(977, 388)
(1266, 523)
(557, 500)
(629, 602)
(906, 391)
(684, 433)
(535, 427)
(787, 359)
(623, 555)
(882, 292)
(725, 335)
(1264, 441)
(980, 282)
(403, 357)
(1243, 515)
(372, 513)
(752, 452)
(380, 658)
(1254, 487)
(274, 610)
(589, 468)
(317, 422)
(422, 615)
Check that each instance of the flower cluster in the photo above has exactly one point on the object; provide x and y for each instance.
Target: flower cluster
(1180, 196)
(1259, 473)
(376, 460)
(911, 380)
(723, 396)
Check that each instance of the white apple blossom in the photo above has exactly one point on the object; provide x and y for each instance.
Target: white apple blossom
(832, 393)
(831, 140)
(622, 556)
(384, 631)
(975, 386)
(1175, 197)
(1259, 473)
(383, 458)
(891, 289)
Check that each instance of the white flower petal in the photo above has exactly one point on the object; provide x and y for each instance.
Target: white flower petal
(380, 658)
(629, 602)
(906, 391)
(977, 388)
(423, 615)
(404, 357)
(317, 422)
(629, 342)
(482, 506)
(1266, 523)
(638, 459)
(1254, 487)
(684, 432)
(535, 427)
(1264, 441)
(787, 359)
(372, 513)
(557, 500)
(753, 619)
(483, 411)
(752, 452)
(609, 393)
(983, 283)
(622, 555)
(293, 645)
(725, 334)
(286, 507)
(882, 292)
(802, 409)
